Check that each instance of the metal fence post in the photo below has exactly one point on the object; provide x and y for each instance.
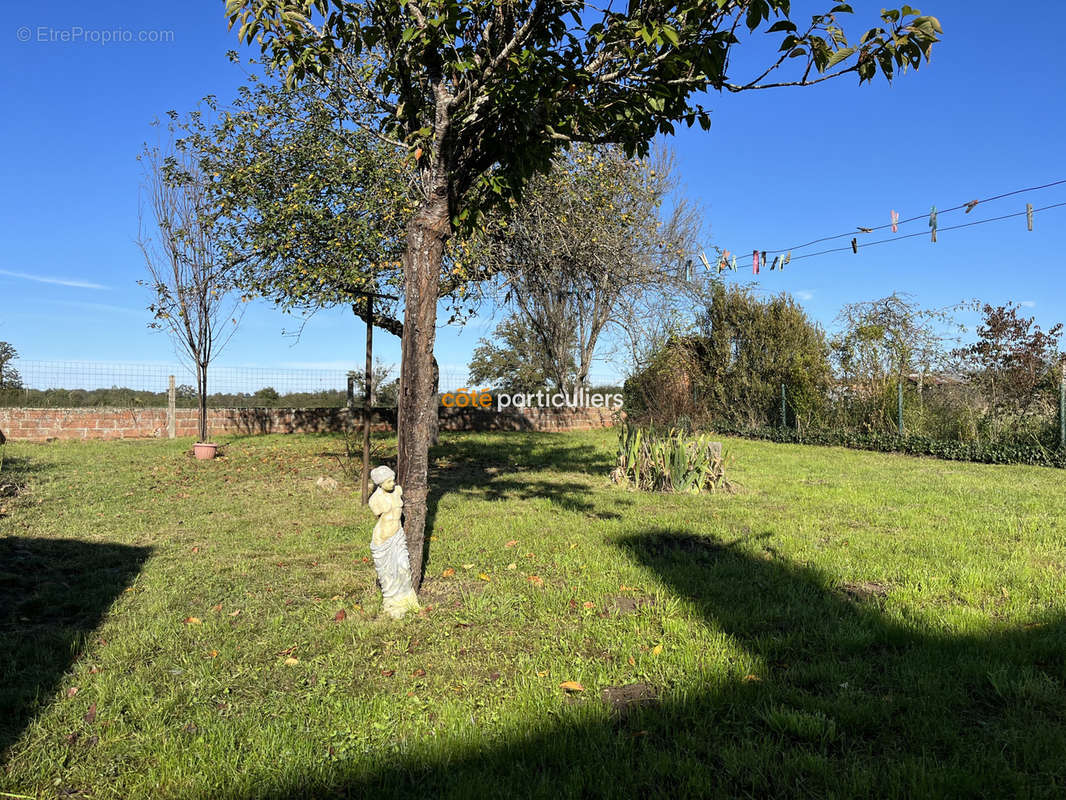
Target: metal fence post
(172, 398)
(899, 404)
(1062, 407)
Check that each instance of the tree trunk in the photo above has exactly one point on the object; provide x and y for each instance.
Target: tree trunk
(426, 235)
(201, 380)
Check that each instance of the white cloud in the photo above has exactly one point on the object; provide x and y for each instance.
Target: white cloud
(1027, 303)
(76, 284)
(804, 294)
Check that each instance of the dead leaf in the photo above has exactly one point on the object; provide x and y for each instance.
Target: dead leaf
(388, 673)
(750, 678)
(511, 543)
(73, 690)
(90, 715)
(235, 613)
(192, 621)
(571, 686)
(657, 649)
(290, 661)
(536, 580)
(484, 577)
(217, 607)
(468, 566)
(340, 616)
(447, 573)
(287, 651)
(512, 565)
(530, 555)
(542, 674)
(589, 604)
(213, 654)
(632, 663)
(418, 673)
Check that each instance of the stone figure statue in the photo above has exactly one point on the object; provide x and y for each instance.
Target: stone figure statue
(389, 546)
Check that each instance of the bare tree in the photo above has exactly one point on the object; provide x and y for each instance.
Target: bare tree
(193, 298)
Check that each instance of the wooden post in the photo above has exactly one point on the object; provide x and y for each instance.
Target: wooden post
(172, 397)
(1062, 405)
(368, 396)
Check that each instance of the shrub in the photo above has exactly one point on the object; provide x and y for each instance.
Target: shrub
(670, 462)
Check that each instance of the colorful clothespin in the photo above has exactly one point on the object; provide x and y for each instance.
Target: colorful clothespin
(854, 245)
(787, 258)
(971, 205)
(733, 264)
(895, 221)
(865, 230)
(1029, 215)
(754, 262)
(932, 222)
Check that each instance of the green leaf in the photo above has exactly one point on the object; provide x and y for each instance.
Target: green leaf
(838, 56)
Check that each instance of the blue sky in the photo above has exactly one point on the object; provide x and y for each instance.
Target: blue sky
(778, 168)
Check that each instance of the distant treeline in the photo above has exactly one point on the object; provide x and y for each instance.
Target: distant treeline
(120, 397)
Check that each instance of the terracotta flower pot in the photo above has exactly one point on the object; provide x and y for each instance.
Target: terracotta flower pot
(205, 451)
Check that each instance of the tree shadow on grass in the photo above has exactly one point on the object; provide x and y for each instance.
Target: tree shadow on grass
(53, 594)
(842, 699)
(484, 465)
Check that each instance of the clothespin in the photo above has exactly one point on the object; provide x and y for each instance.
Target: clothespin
(854, 245)
(754, 262)
(895, 221)
(733, 264)
(866, 230)
(788, 257)
(773, 264)
(1029, 215)
(971, 205)
(932, 222)
(763, 261)
(706, 263)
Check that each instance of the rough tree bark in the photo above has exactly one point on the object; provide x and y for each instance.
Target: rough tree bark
(427, 234)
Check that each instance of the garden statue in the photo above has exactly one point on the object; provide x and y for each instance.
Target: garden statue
(389, 545)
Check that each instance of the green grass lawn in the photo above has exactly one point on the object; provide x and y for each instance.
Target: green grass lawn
(844, 624)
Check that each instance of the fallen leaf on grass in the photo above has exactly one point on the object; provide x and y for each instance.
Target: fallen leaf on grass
(216, 607)
(235, 613)
(511, 543)
(73, 690)
(542, 673)
(418, 673)
(90, 715)
(290, 661)
(571, 686)
(751, 678)
(484, 577)
(287, 651)
(530, 555)
(340, 616)
(512, 565)
(536, 580)
(447, 573)
(589, 604)
(192, 621)
(632, 663)
(213, 654)
(388, 673)
(468, 566)
(657, 649)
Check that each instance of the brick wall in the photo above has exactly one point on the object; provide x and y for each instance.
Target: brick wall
(42, 424)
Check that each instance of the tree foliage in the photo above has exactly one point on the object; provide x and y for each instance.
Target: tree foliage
(514, 360)
(1013, 359)
(589, 244)
(9, 376)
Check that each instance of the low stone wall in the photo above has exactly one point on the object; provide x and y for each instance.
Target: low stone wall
(43, 424)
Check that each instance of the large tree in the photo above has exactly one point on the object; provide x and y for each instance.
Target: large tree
(9, 376)
(483, 93)
(597, 237)
(514, 360)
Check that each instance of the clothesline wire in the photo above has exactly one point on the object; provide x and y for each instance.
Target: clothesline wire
(970, 204)
(926, 233)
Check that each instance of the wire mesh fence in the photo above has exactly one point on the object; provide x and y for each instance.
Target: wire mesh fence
(84, 384)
